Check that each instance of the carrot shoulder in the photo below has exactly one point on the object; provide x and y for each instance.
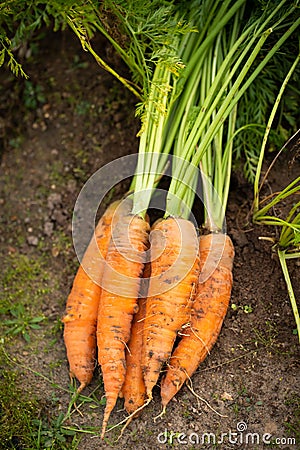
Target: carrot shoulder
(208, 312)
(82, 303)
(120, 289)
(174, 274)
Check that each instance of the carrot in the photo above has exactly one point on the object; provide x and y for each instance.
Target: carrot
(120, 289)
(174, 274)
(82, 303)
(134, 390)
(208, 312)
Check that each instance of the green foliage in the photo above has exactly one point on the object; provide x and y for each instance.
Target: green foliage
(138, 30)
(288, 243)
(290, 233)
(21, 19)
(255, 106)
(33, 95)
(21, 322)
(18, 20)
(20, 425)
(7, 53)
(227, 83)
(292, 423)
(290, 225)
(147, 32)
(144, 32)
(53, 434)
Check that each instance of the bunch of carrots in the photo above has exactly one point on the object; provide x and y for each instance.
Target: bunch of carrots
(148, 301)
(135, 335)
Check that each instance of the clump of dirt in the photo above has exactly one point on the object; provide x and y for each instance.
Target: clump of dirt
(59, 127)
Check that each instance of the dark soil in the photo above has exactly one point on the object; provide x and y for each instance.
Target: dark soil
(59, 127)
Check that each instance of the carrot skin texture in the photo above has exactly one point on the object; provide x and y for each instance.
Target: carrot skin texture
(82, 303)
(208, 312)
(174, 274)
(134, 390)
(119, 302)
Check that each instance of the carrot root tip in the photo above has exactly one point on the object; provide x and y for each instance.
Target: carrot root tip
(161, 414)
(80, 388)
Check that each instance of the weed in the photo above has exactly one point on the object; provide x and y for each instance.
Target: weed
(16, 142)
(82, 108)
(33, 95)
(21, 269)
(236, 409)
(268, 336)
(54, 434)
(246, 308)
(187, 414)
(22, 421)
(22, 322)
(292, 425)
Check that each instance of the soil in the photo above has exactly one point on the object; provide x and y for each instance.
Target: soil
(69, 119)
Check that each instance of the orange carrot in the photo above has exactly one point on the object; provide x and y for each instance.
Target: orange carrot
(82, 304)
(134, 390)
(174, 274)
(208, 312)
(118, 303)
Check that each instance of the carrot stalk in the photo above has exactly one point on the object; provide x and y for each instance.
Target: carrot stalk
(174, 274)
(120, 290)
(82, 304)
(208, 312)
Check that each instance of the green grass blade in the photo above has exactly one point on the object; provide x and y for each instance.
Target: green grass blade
(282, 259)
(257, 188)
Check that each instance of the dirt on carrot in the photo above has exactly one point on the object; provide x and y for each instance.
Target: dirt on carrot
(80, 319)
(174, 274)
(208, 312)
(125, 261)
(134, 389)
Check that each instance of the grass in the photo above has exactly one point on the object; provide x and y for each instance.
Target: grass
(292, 424)
(20, 306)
(25, 287)
(26, 422)
(288, 243)
(30, 419)
(30, 422)
(18, 409)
